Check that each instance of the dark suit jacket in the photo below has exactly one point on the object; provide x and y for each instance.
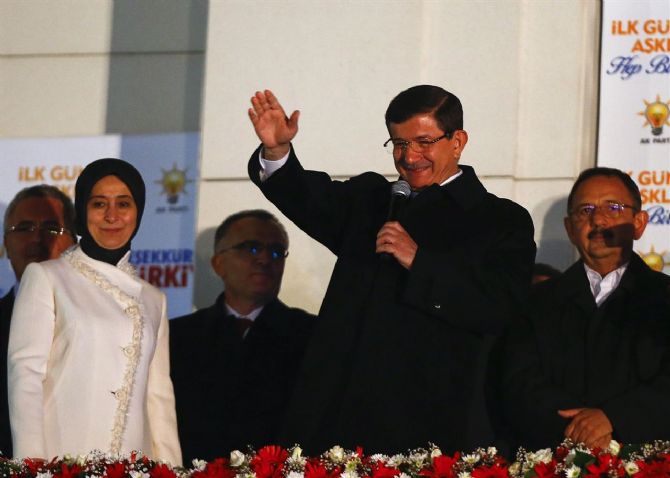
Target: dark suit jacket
(231, 392)
(400, 358)
(6, 306)
(568, 353)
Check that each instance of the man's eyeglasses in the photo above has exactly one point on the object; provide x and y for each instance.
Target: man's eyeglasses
(51, 228)
(255, 248)
(611, 210)
(398, 146)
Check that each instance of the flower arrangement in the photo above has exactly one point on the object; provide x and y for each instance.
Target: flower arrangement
(567, 461)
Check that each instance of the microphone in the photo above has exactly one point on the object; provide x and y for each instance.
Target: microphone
(400, 191)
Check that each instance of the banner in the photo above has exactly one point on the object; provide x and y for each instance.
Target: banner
(162, 251)
(634, 117)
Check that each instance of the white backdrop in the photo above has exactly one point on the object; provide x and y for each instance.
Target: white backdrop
(163, 247)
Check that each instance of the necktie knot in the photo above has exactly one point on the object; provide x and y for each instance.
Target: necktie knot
(243, 325)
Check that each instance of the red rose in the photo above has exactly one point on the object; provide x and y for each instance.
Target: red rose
(603, 465)
(380, 470)
(546, 470)
(494, 471)
(443, 467)
(219, 468)
(162, 471)
(115, 470)
(269, 462)
(655, 469)
(314, 468)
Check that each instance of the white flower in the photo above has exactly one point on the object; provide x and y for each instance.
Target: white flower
(541, 456)
(418, 459)
(349, 474)
(471, 459)
(491, 451)
(352, 464)
(614, 447)
(295, 474)
(378, 457)
(198, 464)
(435, 452)
(46, 474)
(403, 475)
(236, 458)
(631, 467)
(396, 460)
(251, 474)
(514, 468)
(573, 471)
(464, 474)
(139, 474)
(336, 454)
(297, 453)
(570, 457)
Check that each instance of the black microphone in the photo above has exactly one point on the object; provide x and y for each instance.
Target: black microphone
(400, 192)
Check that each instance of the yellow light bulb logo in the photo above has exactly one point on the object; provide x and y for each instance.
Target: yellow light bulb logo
(173, 182)
(656, 114)
(654, 259)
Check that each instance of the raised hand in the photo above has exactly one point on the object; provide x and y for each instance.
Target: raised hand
(272, 126)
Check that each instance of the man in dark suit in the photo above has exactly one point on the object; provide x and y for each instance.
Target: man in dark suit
(591, 359)
(38, 225)
(233, 364)
(401, 353)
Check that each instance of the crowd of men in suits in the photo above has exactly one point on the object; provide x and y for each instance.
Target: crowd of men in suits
(430, 330)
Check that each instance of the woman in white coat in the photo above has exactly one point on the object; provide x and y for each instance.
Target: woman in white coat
(88, 349)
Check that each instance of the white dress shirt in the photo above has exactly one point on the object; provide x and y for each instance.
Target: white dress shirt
(602, 287)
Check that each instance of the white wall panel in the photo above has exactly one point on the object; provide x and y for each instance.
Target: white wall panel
(29, 27)
(53, 96)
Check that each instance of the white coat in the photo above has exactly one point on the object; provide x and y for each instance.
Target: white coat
(88, 362)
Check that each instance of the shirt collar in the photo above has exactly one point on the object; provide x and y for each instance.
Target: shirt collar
(452, 177)
(602, 287)
(251, 315)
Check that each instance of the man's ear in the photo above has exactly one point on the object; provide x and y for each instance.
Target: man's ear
(217, 264)
(640, 221)
(460, 138)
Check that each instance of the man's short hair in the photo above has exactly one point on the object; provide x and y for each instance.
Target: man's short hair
(610, 173)
(261, 214)
(445, 107)
(44, 191)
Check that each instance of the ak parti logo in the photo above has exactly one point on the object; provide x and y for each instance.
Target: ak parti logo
(656, 115)
(654, 259)
(174, 183)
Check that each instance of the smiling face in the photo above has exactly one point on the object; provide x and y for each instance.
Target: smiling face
(250, 280)
(434, 164)
(604, 243)
(111, 213)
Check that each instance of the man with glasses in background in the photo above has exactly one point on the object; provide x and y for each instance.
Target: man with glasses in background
(233, 364)
(38, 225)
(590, 360)
(401, 354)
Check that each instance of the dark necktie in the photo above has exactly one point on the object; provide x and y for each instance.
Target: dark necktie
(243, 324)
